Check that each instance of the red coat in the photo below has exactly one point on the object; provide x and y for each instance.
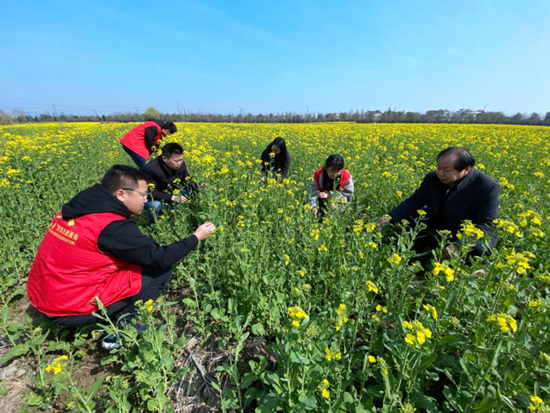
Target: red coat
(344, 178)
(135, 139)
(69, 270)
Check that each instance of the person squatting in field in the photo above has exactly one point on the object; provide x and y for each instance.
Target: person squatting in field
(139, 141)
(453, 193)
(171, 179)
(331, 185)
(93, 250)
(275, 160)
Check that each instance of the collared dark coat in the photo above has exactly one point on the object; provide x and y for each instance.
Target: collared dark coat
(476, 198)
(164, 179)
(278, 164)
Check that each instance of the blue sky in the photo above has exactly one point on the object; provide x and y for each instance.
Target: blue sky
(259, 56)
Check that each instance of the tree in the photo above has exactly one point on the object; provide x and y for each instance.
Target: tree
(151, 112)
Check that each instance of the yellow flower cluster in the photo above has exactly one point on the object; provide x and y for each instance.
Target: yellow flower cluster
(536, 402)
(520, 260)
(342, 316)
(445, 269)
(371, 287)
(431, 309)
(509, 226)
(296, 314)
(504, 322)
(470, 230)
(417, 334)
(394, 259)
(325, 392)
(329, 354)
(56, 366)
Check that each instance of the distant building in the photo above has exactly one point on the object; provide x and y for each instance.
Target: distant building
(439, 112)
(470, 112)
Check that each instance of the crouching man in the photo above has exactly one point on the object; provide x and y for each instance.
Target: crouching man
(450, 195)
(93, 249)
(169, 175)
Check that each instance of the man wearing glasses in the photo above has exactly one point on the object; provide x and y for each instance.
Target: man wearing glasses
(92, 249)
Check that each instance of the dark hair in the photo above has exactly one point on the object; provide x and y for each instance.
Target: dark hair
(279, 143)
(122, 176)
(463, 157)
(171, 126)
(334, 160)
(170, 149)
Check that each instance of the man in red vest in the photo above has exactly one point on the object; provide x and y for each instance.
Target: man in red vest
(139, 141)
(93, 250)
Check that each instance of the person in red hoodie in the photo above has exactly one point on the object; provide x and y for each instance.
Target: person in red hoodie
(139, 141)
(94, 250)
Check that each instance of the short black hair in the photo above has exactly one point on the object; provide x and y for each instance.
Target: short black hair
(335, 160)
(171, 148)
(463, 157)
(171, 126)
(122, 176)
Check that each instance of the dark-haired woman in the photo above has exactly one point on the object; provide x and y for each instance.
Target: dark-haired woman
(275, 159)
(331, 185)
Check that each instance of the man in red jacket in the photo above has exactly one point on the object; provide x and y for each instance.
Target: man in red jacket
(93, 250)
(139, 141)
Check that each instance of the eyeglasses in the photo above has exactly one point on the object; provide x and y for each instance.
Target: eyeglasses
(143, 194)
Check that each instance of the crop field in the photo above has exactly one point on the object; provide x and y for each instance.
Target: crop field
(276, 311)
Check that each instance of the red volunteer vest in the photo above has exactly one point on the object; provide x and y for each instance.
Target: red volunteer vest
(135, 139)
(344, 178)
(69, 270)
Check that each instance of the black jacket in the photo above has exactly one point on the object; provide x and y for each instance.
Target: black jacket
(151, 133)
(122, 238)
(476, 198)
(279, 164)
(163, 178)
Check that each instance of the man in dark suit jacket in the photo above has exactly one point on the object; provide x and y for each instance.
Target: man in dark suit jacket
(171, 179)
(453, 193)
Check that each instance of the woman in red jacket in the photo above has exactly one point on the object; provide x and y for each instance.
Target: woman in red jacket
(330, 183)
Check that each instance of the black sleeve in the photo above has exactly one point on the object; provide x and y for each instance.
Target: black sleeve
(151, 179)
(413, 203)
(150, 136)
(484, 217)
(285, 166)
(123, 239)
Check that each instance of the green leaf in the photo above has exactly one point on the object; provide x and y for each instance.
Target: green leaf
(488, 404)
(308, 402)
(16, 351)
(296, 357)
(258, 329)
(94, 388)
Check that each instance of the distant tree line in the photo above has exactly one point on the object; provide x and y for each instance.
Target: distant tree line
(389, 116)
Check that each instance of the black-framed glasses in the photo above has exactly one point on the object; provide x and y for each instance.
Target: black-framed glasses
(143, 194)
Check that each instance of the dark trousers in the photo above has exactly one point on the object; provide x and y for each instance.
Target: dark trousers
(138, 159)
(153, 283)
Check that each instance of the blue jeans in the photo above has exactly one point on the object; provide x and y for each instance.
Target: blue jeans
(139, 160)
(153, 209)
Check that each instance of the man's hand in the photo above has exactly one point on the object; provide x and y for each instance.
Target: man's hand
(315, 212)
(202, 185)
(383, 221)
(450, 251)
(179, 199)
(323, 195)
(205, 230)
